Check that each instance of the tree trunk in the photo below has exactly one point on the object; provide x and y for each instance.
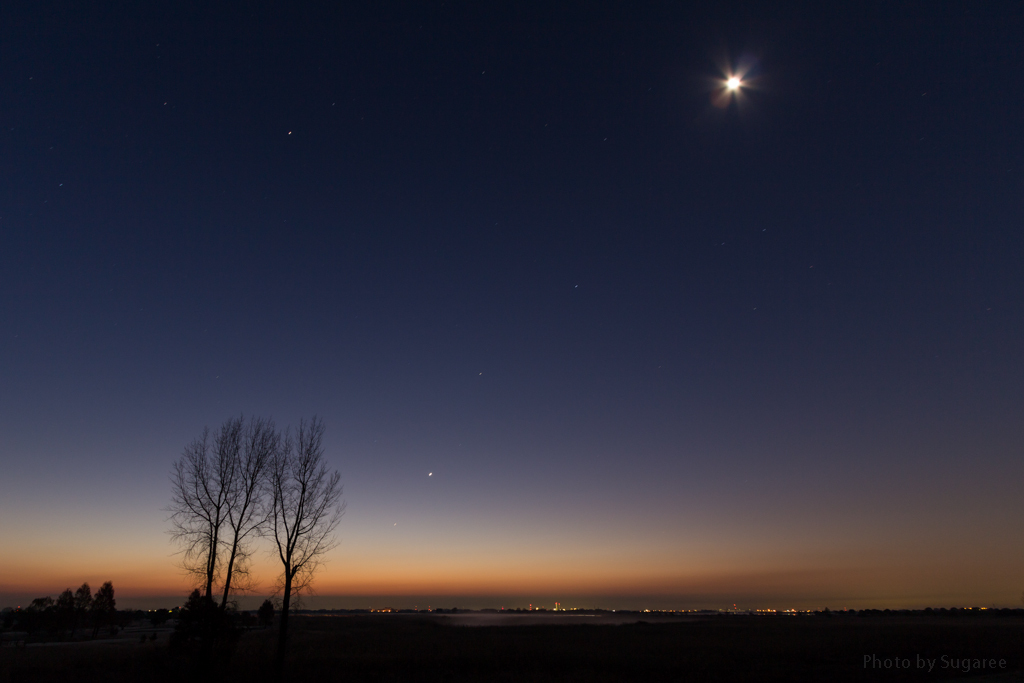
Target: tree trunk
(211, 566)
(227, 577)
(282, 632)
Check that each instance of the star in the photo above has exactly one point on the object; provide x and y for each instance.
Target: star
(733, 83)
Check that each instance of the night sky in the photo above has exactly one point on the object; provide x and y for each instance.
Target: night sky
(655, 352)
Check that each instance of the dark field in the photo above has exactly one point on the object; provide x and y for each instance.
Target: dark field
(422, 648)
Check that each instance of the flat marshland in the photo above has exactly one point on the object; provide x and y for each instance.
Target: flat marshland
(399, 647)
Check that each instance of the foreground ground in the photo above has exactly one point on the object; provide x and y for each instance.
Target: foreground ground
(413, 648)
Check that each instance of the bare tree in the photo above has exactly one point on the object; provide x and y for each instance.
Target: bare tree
(247, 511)
(217, 505)
(199, 501)
(306, 509)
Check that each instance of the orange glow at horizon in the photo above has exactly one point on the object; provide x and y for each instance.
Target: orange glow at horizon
(510, 575)
(693, 548)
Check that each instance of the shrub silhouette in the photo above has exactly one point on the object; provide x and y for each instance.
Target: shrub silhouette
(204, 629)
(266, 613)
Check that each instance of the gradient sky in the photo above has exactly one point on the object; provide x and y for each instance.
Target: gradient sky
(655, 352)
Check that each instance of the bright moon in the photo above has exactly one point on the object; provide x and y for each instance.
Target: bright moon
(733, 83)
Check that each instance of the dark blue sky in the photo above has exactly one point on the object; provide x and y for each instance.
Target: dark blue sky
(518, 246)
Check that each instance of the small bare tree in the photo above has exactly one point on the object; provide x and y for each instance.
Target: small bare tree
(306, 509)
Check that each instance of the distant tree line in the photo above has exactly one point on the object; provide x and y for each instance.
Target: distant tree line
(71, 612)
(231, 488)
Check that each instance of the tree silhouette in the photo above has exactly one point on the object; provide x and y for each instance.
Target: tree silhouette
(266, 613)
(103, 607)
(41, 604)
(83, 601)
(217, 506)
(246, 510)
(306, 509)
(39, 615)
(83, 598)
(198, 502)
(65, 606)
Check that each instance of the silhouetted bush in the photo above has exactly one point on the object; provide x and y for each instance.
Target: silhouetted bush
(266, 613)
(204, 630)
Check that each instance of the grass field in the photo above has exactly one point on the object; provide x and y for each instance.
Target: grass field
(428, 648)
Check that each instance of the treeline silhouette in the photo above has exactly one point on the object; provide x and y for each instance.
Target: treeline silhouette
(71, 613)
